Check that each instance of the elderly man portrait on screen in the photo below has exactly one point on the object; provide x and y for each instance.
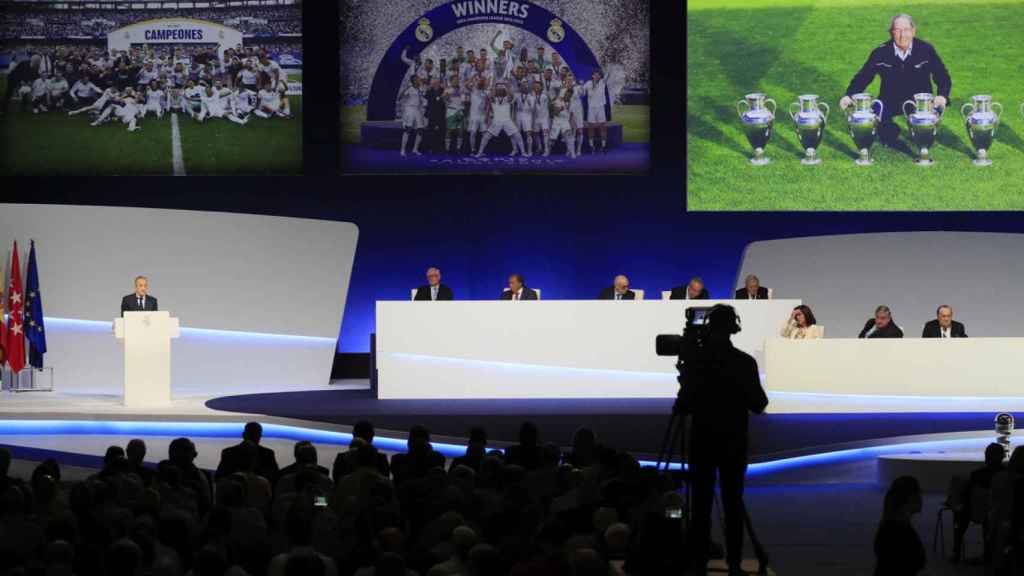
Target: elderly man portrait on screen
(907, 65)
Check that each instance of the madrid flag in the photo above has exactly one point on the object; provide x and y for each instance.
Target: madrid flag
(15, 316)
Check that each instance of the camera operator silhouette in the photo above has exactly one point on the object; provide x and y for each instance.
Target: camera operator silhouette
(722, 385)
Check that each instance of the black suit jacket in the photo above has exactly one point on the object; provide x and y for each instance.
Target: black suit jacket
(443, 293)
(229, 463)
(679, 293)
(890, 331)
(931, 330)
(742, 294)
(130, 303)
(609, 294)
(528, 294)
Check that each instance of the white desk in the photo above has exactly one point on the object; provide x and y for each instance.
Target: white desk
(895, 375)
(544, 349)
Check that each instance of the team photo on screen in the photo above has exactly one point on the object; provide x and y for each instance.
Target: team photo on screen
(470, 86)
(154, 88)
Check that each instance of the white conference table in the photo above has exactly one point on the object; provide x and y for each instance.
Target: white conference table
(544, 349)
(895, 375)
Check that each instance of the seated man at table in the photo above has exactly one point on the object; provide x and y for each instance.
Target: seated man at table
(694, 290)
(433, 290)
(517, 289)
(619, 290)
(944, 326)
(752, 289)
(881, 326)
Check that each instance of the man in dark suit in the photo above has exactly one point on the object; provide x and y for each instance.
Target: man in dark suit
(752, 289)
(345, 462)
(230, 457)
(881, 326)
(694, 290)
(517, 290)
(944, 326)
(618, 291)
(140, 300)
(433, 289)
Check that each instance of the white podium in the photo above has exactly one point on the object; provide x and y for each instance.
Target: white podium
(147, 356)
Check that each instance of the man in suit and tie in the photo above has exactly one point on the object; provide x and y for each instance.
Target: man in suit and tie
(752, 289)
(618, 291)
(694, 290)
(517, 290)
(944, 326)
(140, 300)
(433, 290)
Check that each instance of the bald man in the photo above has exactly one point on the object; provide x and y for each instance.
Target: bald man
(619, 290)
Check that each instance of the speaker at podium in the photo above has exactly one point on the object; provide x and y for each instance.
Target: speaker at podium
(147, 356)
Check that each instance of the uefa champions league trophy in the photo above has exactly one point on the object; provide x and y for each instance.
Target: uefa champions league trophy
(981, 125)
(923, 123)
(1004, 428)
(863, 124)
(810, 125)
(757, 123)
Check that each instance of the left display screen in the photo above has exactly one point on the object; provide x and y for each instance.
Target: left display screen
(114, 89)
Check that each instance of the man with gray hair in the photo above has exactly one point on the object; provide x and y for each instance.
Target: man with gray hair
(907, 65)
(433, 290)
(881, 326)
(752, 289)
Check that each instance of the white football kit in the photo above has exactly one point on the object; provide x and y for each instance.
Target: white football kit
(525, 104)
(412, 108)
(596, 100)
(501, 117)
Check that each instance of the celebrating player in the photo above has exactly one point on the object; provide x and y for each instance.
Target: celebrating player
(124, 108)
(525, 104)
(542, 117)
(154, 100)
(477, 112)
(597, 98)
(562, 123)
(500, 112)
(216, 105)
(455, 102)
(413, 121)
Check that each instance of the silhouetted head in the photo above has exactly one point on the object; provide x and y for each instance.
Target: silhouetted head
(994, 455)
(364, 428)
(529, 435)
(253, 432)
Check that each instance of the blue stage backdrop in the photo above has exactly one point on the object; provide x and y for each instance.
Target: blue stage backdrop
(454, 15)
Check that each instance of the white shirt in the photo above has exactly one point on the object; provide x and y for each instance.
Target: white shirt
(903, 55)
(945, 332)
(433, 292)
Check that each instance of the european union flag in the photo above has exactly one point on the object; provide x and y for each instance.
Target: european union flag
(35, 332)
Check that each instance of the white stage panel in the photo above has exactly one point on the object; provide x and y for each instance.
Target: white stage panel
(844, 277)
(895, 375)
(544, 349)
(260, 298)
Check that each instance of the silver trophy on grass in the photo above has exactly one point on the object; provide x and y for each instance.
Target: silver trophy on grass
(923, 124)
(863, 124)
(1004, 428)
(757, 123)
(981, 125)
(810, 125)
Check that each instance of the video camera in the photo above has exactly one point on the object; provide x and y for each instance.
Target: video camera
(695, 331)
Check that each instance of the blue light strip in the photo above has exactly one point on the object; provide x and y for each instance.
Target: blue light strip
(207, 333)
(234, 430)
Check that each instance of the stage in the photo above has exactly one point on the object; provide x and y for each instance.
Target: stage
(76, 428)
(625, 158)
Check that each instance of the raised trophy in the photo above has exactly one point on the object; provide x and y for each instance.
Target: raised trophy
(863, 124)
(810, 125)
(981, 125)
(757, 123)
(923, 123)
(1004, 428)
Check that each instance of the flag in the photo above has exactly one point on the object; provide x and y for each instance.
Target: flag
(35, 332)
(15, 319)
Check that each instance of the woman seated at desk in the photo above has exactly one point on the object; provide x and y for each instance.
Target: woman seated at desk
(802, 325)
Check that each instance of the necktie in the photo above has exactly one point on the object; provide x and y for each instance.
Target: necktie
(140, 303)
(618, 296)
(515, 296)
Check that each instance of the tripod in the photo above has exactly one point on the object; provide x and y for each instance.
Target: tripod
(676, 430)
